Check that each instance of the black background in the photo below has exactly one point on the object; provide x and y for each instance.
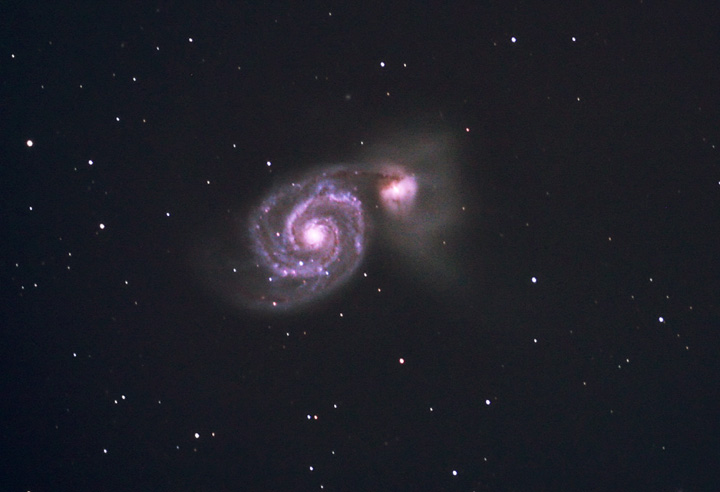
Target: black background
(587, 149)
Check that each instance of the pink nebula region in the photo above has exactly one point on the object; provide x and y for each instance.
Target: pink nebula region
(398, 196)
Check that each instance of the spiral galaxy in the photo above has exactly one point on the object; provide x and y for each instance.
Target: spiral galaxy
(308, 237)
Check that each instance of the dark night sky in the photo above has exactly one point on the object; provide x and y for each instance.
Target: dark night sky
(564, 338)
